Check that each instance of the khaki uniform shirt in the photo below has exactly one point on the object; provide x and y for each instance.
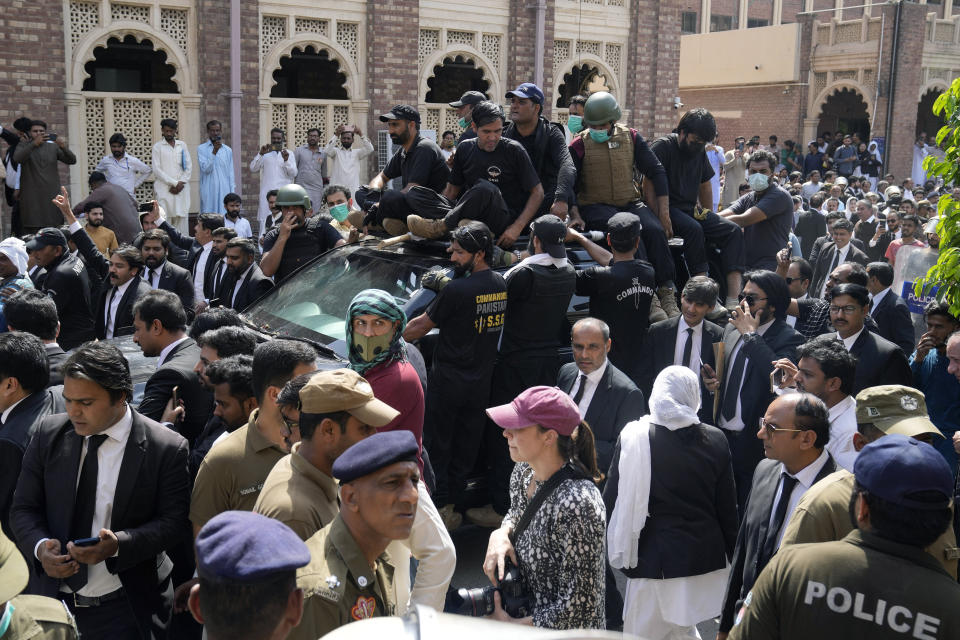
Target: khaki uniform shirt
(232, 473)
(860, 587)
(299, 495)
(40, 618)
(823, 515)
(339, 586)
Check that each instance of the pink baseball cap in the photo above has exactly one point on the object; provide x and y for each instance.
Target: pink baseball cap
(548, 407)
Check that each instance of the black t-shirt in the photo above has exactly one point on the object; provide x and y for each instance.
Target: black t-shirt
(685, 174)
(765, 238)
(423, 165)
(620, 295)
(304, 244)
(470, 313)
(508, 167)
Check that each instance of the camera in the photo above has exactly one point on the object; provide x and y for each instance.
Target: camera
(479, 602)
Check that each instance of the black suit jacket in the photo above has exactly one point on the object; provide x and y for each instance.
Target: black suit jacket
(747, 558)
(863, 231)
(780, 341)
(254, 285)
(692, 524)
(616, 402)
(810, 226)
(177, 371)
(150, 506)
(892, 316)
(821, 270)
(68, 283)
(15, 435)
(658, 351)
(178, 280)
(55, 359)
(123, 321)
(194, 250)
(879, 361)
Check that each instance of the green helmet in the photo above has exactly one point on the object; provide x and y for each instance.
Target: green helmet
(293, 195)
(601, 108)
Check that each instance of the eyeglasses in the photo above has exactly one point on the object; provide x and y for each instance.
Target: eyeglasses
(792, 280)
(290, 424)
(772, 428)
(750, 298)
(845, 310)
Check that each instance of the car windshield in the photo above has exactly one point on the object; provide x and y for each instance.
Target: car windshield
(312, 303)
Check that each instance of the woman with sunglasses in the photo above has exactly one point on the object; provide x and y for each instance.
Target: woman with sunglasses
(560, 551)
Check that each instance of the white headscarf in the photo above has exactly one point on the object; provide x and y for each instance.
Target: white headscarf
(16, 251)
(674, 403)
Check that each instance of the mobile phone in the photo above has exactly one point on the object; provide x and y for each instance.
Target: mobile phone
(740, 146)
(276, 146)
(776, 379)
(145, 207)
(51, 137)
(85, 542)
(176, 397)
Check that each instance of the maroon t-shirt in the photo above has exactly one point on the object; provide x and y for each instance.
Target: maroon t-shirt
(398, 384)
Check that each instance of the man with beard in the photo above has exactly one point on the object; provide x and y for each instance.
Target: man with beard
(104, 239)
(218, 272)
(160, 273)
(119, 209)
(114, 313)
(172, 168)
(121, 168)
(216, 170)
(245, 281)
(417, 162)
(40, 175)
(469, 312)
(277, 167)
(296, 240)
(492, 180)
(311, 165)
(344, 159)
(233, 219)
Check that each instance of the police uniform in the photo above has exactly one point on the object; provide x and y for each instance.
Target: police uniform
(339, 584)
(233, 472)
(298, 494)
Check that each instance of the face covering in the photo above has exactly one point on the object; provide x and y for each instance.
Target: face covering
(339, 212)
(599, 135)
(692, 148)
(463, 122)
(575, 124)
(367, 348)
(758, 181)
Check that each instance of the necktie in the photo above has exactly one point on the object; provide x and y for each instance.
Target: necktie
(733, 385)
(688, 347)
(83, 508)
(779, 515)
(106, 319)
(150, 274)
(583, 387)
(217, 277)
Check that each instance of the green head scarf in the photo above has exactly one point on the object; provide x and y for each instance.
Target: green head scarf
(380, 303)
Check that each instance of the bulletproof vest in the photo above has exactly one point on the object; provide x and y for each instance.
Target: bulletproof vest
(536, 322)
(606, 176)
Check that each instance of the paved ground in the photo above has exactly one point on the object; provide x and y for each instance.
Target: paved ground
(471, 544)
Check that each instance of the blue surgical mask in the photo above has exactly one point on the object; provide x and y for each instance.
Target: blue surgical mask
(599, 135)
(462, 122)
(758, 181)
(575, 124)
(339, 212)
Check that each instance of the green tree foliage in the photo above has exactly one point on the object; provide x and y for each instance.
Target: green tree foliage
(946, 273)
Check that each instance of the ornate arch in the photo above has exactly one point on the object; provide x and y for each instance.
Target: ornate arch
(594, 61)
(837, 87)
(933, 85)
(286, 46)
(84, 52)
(436, 58)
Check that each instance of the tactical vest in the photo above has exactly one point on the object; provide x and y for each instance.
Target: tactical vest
(606, 175)
(535, 323)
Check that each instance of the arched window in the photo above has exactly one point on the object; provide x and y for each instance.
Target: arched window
(309, 74)
(927, 121)
(845, 111)
(128, 66)
(454, 77)
(581, 80)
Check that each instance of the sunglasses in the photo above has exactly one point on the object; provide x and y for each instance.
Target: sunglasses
(792, 280)
(772, 428)
(750, 298)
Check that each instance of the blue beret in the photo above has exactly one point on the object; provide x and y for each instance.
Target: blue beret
(375, 452)
(895, 468)
(247, 547)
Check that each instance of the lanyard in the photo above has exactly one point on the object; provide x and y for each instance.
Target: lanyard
(126, 161)
(7, 617)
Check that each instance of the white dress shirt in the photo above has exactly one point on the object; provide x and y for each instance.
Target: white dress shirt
(8, 410)
(841, 258)
(167, 349)
(697, 337)
(593, 380)
(806, 477)
(848, 342)
(199, 269)
(843, 424)
(241, 226)
(736, 422)
(154, 282)
(110, 310)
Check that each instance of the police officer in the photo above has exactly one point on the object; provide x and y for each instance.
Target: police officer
(34, 617)
(607, 156)
(299, 238)
(350, 577)
(247, 567)
(901, 502)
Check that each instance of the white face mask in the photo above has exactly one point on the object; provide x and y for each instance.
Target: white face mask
(758, 181)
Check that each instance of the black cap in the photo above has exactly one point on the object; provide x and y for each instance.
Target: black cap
(47, 237)
(624, 226)
(470, 97)
(401, 112)
(551, 231)
(374, 453)
(97, 176)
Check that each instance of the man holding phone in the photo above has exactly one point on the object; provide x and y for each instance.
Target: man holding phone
(40, 176)
(277, 167)
(297, 239)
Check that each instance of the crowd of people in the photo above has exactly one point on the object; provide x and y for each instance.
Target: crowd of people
(746, 379)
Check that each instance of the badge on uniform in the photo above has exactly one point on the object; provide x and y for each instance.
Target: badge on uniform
(613, 145)
(363, 609)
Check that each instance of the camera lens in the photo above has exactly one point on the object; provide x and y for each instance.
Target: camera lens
(475, 602)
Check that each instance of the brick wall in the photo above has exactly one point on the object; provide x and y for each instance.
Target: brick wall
(653, 60)
(522, 49)
(908, 81)
(759, 111)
